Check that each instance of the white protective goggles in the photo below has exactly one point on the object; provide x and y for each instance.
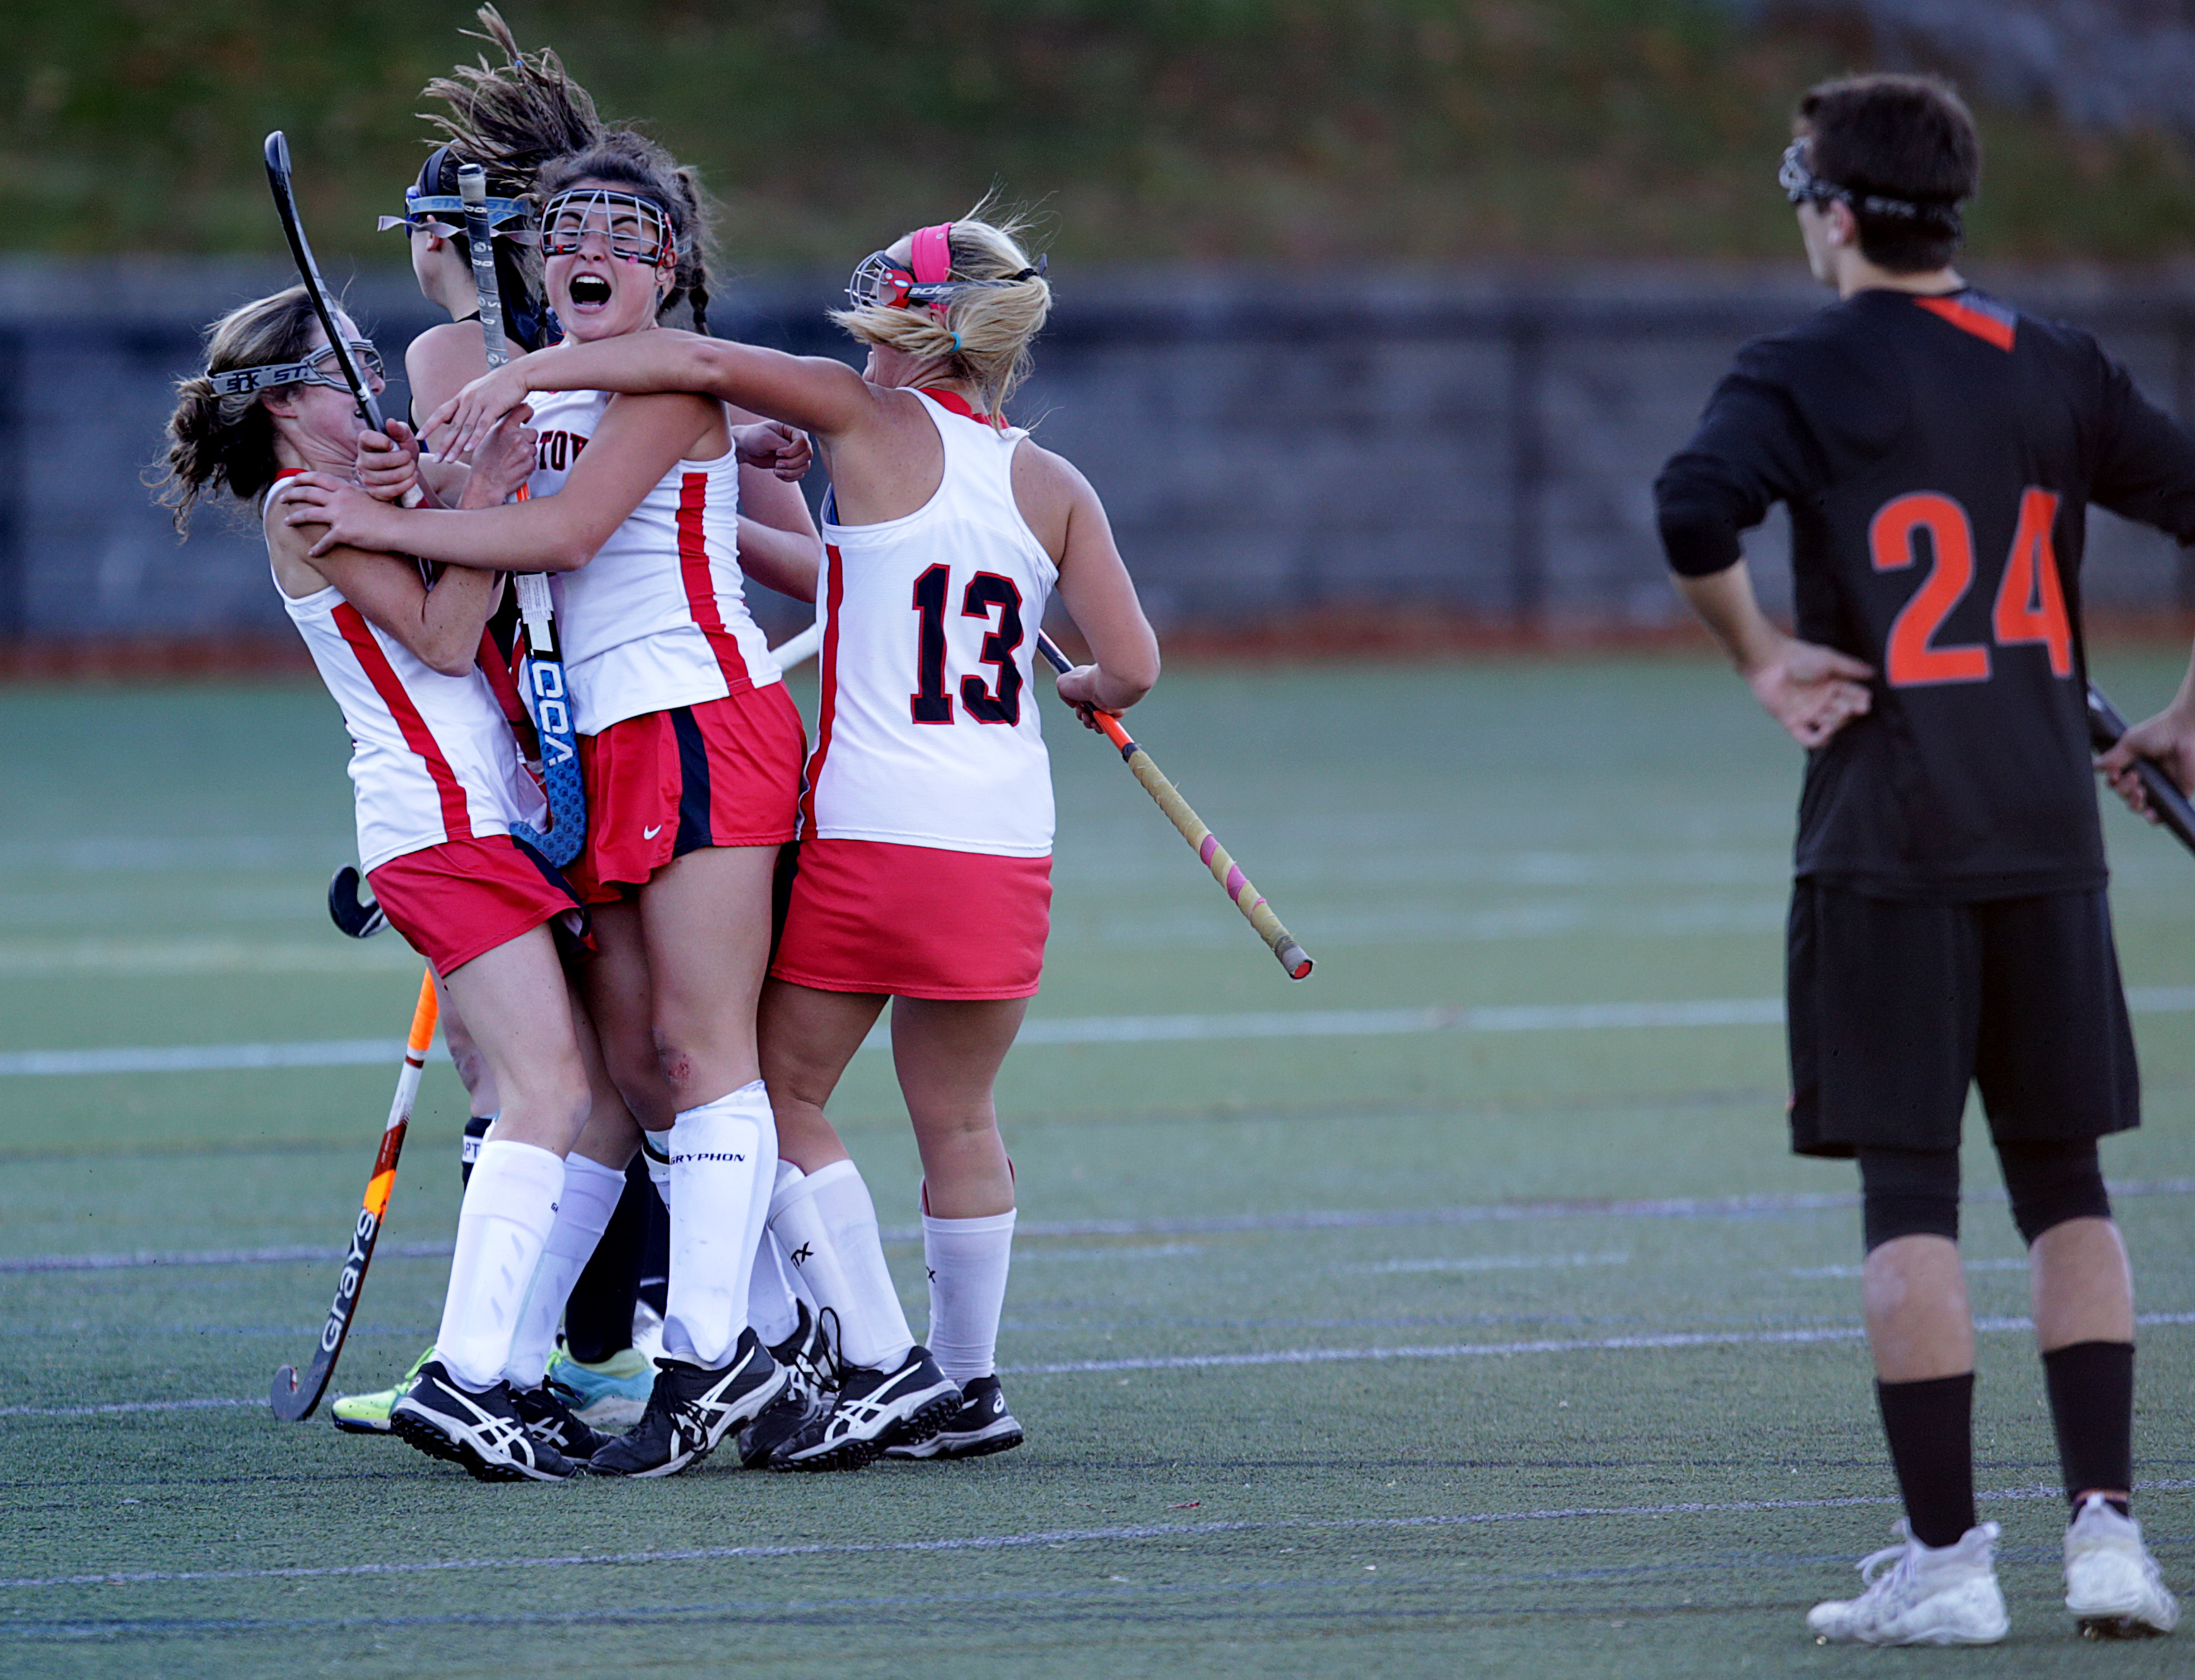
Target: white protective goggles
(444, 213)
(636, 229)
(323, 369)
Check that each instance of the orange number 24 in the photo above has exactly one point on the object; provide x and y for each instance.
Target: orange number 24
(2030, 606)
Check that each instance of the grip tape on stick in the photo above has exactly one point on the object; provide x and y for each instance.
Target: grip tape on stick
(1203, 841)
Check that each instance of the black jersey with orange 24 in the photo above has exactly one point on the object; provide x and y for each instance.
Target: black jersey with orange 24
(1938, 455)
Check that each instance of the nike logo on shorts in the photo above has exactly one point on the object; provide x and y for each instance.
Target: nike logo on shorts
(650, 833)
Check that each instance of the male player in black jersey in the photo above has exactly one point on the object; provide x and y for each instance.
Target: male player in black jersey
(1937, 450)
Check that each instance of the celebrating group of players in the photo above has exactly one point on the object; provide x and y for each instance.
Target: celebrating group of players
(692, 985)
(673, 989)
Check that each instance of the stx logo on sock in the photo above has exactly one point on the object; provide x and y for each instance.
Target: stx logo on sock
(801, 1256)
(714, 1155)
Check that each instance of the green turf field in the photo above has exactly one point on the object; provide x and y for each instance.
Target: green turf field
(1469, 1323)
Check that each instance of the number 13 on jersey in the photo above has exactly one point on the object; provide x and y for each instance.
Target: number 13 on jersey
(2030, 606)
(996, 702)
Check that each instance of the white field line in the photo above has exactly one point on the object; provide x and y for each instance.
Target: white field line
(1123, 1029)
(145, 959)
(1048, 1538)
(1491, 1262)
(1502, 1213)
(1675, 1339)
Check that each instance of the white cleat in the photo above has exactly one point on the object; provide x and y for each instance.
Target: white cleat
(1919, 1594)
(2113, 1586)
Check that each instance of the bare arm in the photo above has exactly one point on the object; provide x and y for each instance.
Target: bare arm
(1812, 691)
(441, 625)
(779, 546)
(814, 393)
(1064, 512)
(638, 440)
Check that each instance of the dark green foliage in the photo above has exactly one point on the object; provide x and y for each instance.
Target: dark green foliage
(1194, 128)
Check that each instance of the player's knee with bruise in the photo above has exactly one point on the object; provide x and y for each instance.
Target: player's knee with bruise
(2051, 1181)
(1908, 1192)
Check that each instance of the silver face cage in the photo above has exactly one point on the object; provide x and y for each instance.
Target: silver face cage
(636, 229)
(877, 282)
(320, 370)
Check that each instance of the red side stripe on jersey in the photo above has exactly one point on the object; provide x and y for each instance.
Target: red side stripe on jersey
(700, 586)
(826, 684)
(456, 818)
(1986, 324)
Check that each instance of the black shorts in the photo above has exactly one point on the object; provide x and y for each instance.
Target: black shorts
(1896, 1006)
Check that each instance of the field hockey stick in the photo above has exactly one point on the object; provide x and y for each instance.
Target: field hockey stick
(291, 1397)
(798, 650)
(2107, 725)
(544, 660)
(286, 206)
(1202, 840)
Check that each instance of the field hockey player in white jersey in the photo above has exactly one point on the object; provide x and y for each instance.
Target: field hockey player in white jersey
(690, 748)
(439, 786)
(924, 864)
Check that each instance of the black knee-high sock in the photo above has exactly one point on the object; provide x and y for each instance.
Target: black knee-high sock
(2092, 1405)
(598, 1313)
(1931, 1428)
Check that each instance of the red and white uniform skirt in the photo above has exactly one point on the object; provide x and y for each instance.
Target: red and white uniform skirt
(915, 921)
(718, 773)
(463, 897)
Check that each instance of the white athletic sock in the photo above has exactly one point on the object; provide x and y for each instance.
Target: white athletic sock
(509, 1208)
(583, 1212)
(723, 1155)
(773, 1300)
(828, 1226)
(967, 1260)
(655, 1147)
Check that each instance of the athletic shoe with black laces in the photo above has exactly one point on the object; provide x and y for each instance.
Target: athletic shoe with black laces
(479, 1429)
(982, 1424)
(810, 1358)
(368, 1413)
(549, 1416)
(873, 1409)
(691, 1409)
(1921, 1595)
(2113, 1586)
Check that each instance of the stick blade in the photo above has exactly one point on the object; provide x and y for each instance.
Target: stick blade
(291, 1403)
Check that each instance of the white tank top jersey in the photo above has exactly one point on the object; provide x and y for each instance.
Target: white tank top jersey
(658, 618)
(927, 732)
(432, 757)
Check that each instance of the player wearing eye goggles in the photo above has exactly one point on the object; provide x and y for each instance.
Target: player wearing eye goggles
(925, 280)
(635, 228)
(322, 369)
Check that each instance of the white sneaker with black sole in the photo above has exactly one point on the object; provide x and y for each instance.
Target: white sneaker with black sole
(1919, 1595)
(874, 1409)
(2113, 1586)
(480, 1429)
(981, 1424)
(691, 1409)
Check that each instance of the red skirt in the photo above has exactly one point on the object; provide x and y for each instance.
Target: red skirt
(725, 772)
(461, 899)
(915, 922)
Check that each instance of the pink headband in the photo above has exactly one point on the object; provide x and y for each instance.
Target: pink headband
(931, 255)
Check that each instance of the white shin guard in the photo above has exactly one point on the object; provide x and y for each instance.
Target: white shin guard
(968, 1260)
(509, 1207)
(828, 1226)
(724, 1157)
(590, 1196)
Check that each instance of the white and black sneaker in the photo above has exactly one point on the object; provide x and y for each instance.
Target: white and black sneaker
(980, 1425)
(873, 1409)
(811, 1355)
(691, 1409)
(547, 1413)
(479, 1429)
